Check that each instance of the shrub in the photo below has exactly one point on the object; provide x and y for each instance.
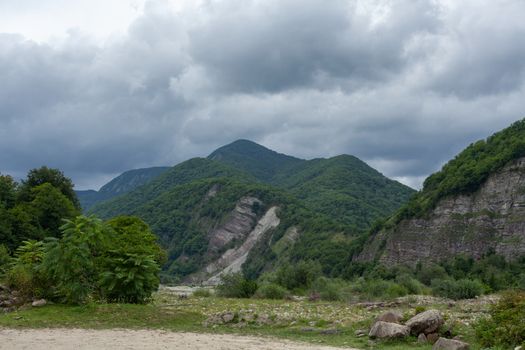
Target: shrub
(271, 291)
(460, 289)
(378, 289)
(202, 293)
(298, 276)
(506, 324)
(234, 285)
(20, 278)
(411, 285)
(328, 289)
(25, 274)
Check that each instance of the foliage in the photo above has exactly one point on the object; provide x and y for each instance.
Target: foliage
(457, 289)
(202, 293)
(24, 274)
(93, 260)
(5, 259)
(54, 177)
(271, 291)
(234, 285)
(506, 324)
(298, 276)
(129, 277)
(35, 209)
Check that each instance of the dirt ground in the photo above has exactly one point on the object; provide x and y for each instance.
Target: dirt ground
(82, 339)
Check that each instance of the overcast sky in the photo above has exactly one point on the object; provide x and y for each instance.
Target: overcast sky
(99, 87)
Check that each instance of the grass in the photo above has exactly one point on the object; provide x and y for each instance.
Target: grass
(294, 320)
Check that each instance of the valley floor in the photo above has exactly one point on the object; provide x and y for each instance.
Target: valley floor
(83, 339)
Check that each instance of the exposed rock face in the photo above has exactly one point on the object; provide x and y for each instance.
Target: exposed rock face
(239, 224)
(388, 330)
(426, 322)
(450, 344)
(491, 219)
(232, 259)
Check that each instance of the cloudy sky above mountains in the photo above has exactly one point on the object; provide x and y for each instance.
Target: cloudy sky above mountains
(96, 88)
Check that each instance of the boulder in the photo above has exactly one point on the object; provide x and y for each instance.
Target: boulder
(227, 317)
(450, 344)
(422, 339)
(40, 302)
(426, 322)
(390, 316)
(388, 330)
(432, 338)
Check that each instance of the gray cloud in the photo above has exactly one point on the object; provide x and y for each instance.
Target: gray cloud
(401, 84)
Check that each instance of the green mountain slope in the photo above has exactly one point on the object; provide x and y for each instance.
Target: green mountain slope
(188, 171)
(123, 183)
(343, 187)
(254, 159)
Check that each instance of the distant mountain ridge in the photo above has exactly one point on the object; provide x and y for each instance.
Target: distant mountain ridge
(123, 183)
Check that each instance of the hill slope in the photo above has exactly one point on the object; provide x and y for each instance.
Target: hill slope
(123, 183)
(343, 187)
(474, 206)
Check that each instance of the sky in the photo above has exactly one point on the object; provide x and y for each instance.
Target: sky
(99, 87)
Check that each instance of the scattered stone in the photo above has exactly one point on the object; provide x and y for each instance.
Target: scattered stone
(426, 322)
(432, 338)
(228, 317)
(422, 339)
(4, 288)
(390, 316)
(330, 331)
(40, 302)
(450, 344)
(387, 330)
(264, 319)
(360, 332)
(308, 329)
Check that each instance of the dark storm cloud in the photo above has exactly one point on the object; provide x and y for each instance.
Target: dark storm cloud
(402, 84)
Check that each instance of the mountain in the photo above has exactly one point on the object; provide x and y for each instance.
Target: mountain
(213, 218)
(474, 206)
(343, 187)
(123, 183)
(254, 159)
(248, 208)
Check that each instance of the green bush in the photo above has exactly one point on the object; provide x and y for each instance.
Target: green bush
(328, 289)
(25, 274)
(234, 285)
(506, 324)
(271, 291)
(298, 276)
(411, 285)
(20, 278)
(378, 289)
(460, 289)
(202, 293)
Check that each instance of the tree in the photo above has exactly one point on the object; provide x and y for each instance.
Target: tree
(54, 177)
(7, 191)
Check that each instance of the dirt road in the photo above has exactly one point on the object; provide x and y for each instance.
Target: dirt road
(82, 339)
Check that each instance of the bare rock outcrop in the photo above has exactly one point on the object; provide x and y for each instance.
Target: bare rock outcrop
(490, 219)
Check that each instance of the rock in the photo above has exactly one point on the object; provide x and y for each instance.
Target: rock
(390, 316)
(426, 322)
(518, 348)
(387, 330)
(4, 288)
(432, 338)
(38, 303)
(307, 329)
(330, 331)
(450, 344)
(360, 332)
(264, 319)
(227, 317)
(422, 339)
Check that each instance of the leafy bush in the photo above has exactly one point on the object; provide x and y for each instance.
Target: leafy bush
(25, 274)
(328, 289)
(378, 289)
(202, 293)
(129, 278)
(457, 289)
(506, 324)
(411, 285)
(298, 276)
(271, 291)
(234, 285)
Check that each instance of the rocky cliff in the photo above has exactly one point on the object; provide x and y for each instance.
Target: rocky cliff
(492, 219)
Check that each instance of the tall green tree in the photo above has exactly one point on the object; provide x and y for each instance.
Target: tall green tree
(54, 177)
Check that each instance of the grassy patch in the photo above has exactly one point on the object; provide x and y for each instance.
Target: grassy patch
(327, 323)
